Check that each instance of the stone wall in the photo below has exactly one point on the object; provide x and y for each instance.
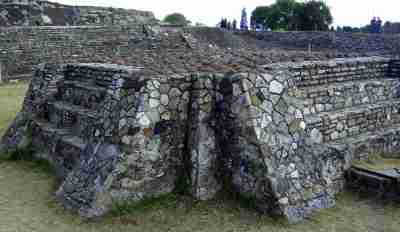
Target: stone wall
(346, 43)
(23, 47)
(351, 101)
(44, 13)
(161, 50)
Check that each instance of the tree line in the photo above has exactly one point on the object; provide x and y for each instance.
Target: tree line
(290, 15)
(375, 26)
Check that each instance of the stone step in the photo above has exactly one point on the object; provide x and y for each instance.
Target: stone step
(329, 126)
(61, 146)
(88, 86)
(85, 94)
(100, 74)
(66, 115)
(66, 135)
(331, 97)
(382, 140)
(314, 77)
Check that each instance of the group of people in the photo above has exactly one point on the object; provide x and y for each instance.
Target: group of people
(376, 25)
(226, 24)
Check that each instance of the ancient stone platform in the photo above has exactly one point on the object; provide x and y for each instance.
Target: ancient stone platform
(284, 135)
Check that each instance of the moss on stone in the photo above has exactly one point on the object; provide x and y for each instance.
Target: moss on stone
(255, 100)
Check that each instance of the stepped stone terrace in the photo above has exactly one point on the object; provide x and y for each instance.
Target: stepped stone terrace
(283, 134)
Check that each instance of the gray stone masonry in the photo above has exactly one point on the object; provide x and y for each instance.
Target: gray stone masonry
(283, 135)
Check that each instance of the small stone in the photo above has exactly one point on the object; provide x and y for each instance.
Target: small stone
(126, 140)
(246, 85)
(185, 96)
(298, 114)
(319, 107)
(174, 92)
(164, 100)
(166, 116)
(267, 77)
(154, 103)
(126, 183)
(156, 84)
(294, 146)
(143, 120)
(316, 135)
(260, 82)
(275, 87)
(335, 135)
(340, 126)
(122, 123)
(303, 125)
(236, 90)
(295, 174)
(155, 94)
(284, 201)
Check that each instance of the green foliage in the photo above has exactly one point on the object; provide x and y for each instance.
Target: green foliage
(278, 16)
(292, 15)
(176, 19)
(314, 16)
(182, 185)
(122, 208)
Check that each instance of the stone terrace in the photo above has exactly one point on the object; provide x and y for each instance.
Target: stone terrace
(157, 49)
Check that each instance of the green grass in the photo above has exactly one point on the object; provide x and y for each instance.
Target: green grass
(27, 204)
(11, 97)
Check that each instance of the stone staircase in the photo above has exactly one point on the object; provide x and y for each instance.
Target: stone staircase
(69, 120)
(356, 104)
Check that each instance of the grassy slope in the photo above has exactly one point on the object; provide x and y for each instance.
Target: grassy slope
(27, 204)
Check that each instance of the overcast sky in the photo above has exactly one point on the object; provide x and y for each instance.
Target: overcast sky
(345, 12)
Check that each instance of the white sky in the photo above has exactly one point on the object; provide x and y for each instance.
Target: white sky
(345, 12)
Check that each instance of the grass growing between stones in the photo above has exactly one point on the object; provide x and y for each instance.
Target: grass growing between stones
(27, 204)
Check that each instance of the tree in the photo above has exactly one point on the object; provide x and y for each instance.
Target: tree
(176, 19)
(391, 27)
(261, 16)
(293, 15)
(279, 16)
(314, 16)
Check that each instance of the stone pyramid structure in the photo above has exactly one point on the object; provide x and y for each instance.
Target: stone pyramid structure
(283, 136)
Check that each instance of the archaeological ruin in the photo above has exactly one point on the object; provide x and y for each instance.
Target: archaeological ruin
(124, 113)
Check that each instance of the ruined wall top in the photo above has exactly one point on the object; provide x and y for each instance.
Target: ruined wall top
(41, 13)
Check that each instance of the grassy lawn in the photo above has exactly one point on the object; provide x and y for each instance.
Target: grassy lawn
(27, 204)
(11, 97)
